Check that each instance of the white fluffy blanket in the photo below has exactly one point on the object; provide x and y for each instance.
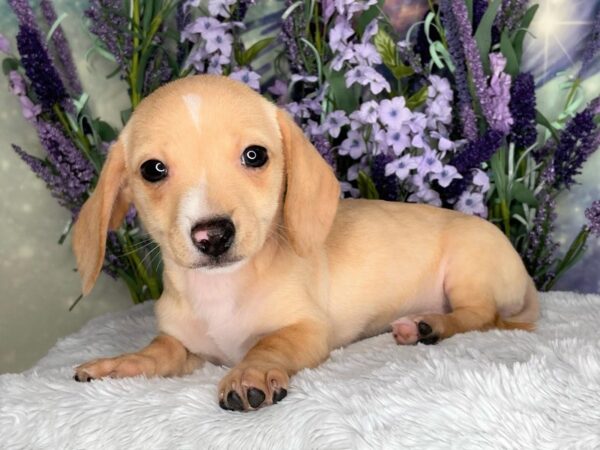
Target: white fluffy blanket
(494, 389)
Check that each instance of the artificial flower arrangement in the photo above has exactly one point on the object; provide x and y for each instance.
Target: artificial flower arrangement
(442, 116)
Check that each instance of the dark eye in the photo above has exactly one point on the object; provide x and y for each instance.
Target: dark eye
(153, 170)
(254, 156)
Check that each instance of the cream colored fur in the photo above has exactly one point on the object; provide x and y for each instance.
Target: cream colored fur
(308, 272)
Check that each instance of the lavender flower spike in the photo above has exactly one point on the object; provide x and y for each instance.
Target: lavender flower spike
(38, 66)
(577, 142)
(74, 172)
(61, 45)
(24, 13)
(499, 94)
(522, 109)
(592, 214)
(471, 52)
(591, 49)
(466, 113)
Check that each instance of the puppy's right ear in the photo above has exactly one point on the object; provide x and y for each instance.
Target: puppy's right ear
(105, 208)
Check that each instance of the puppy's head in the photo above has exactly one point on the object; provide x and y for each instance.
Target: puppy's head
(214, 171)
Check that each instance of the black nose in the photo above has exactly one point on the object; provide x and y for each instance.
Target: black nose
(213, 237)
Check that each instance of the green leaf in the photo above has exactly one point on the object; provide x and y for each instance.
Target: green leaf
(249, 55)
(483, 35)
(343, 98)
(522, 31)
(367, 16)
(523, 194)
(105, 131)
(125, 115)
(367, 187)
(470, 9)
(9, 64)
(542, 120)
(386, 47)
(512, 62)
(417, 99)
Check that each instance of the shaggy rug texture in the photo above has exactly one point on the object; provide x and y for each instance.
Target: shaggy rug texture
(508, 389)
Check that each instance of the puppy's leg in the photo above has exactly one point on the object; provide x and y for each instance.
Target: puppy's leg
(263, 375)
(165, 356)
(472, 309)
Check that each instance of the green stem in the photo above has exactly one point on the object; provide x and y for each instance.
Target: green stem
(135, 59)
(571, 257)
(438, 23)
(505, 217)
(76, 135)
(572, 92)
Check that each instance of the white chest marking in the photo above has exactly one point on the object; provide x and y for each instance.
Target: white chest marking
(216, 300)
(193, 103)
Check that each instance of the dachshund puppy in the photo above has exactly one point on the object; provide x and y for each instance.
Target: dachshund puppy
(265, 269)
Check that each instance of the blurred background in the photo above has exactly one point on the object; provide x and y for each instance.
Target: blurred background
(37, 278)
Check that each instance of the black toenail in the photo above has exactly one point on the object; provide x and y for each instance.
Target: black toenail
(234, 401)
(278, 396)
(255, 397)
(76, 377)
(88, 379)
(424, 328)
(224, 406)
(429, 340)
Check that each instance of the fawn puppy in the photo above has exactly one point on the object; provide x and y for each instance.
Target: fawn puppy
(266, 270)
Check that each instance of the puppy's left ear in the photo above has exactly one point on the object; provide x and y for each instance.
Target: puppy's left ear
(312, 190)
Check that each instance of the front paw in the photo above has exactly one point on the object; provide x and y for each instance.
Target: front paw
(248, 387)
(120, 367)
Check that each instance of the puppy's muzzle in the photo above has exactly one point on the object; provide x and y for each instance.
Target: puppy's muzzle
(213, 237)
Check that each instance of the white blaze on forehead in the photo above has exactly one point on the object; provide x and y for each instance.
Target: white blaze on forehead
(193, 102)
(193, 206)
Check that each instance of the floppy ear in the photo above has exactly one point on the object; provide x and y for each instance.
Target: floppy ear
(105, 209)
(312, 190)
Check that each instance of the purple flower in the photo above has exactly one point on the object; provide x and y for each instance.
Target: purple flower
(592, 214)
(202, 27)
(426, 195)
(398, 139)
(401, 167)
(471, 203)
(29, 110)
(481, 180)
(465, 106)
(219, 7)
(429, 164)
(387, 186)
(66, 172)
(465, 31)
(471, 157)
(393, 113)
(439, 88)
(511, 13)
(61, 47)
(219, 42)
(248, 77)
(216, 63)
(522, 108)
(367, 113)
(323, 146)
(499, 95)
(365, 75)
(334, 122)
(24, 13)
(591, 49)
(577, 142)
(4, 45)
(366, 54)
(279, 88)
(339, 34)
(347, 188)
(39, 68)
(288, 38)
(348, 8)
(446, 176)
(354, 145)
(17, 83)
(109, 22)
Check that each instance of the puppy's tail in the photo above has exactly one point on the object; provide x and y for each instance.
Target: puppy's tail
(524, 320)
(508, 325)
